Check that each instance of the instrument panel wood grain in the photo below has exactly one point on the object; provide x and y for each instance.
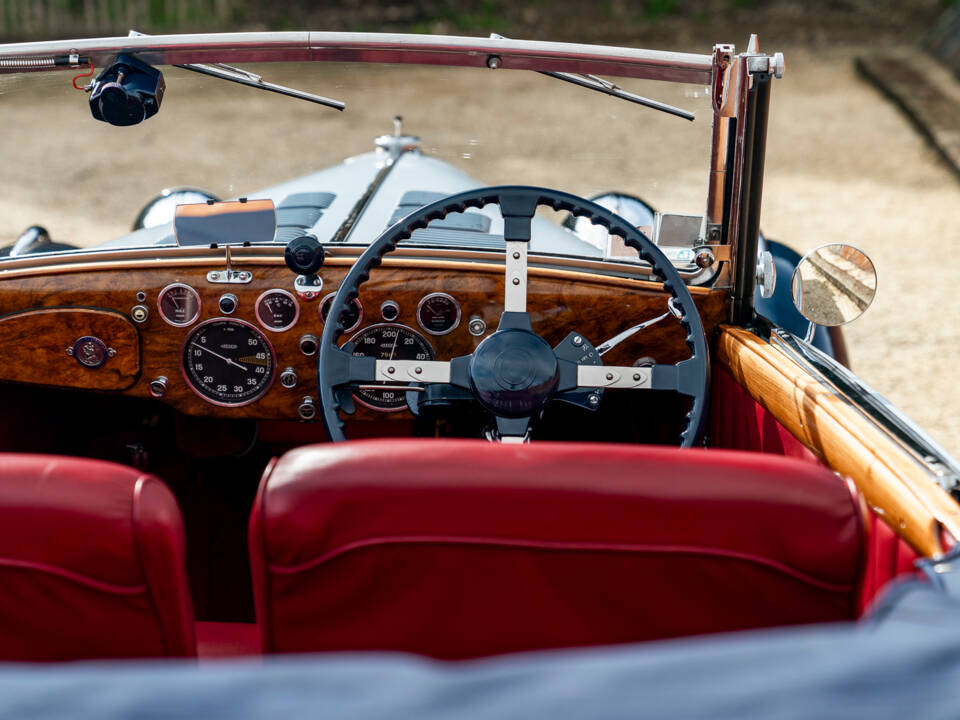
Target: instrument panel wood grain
(559, 302)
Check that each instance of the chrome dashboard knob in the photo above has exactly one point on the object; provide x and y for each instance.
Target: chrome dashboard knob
(158, 386)
(307, 409)
(288, 378)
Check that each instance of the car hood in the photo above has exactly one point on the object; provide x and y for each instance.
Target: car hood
(320, 203)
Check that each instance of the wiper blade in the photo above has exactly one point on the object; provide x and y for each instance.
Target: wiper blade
(245, 77)
(592, 82)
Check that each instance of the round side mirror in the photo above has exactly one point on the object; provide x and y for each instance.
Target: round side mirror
(834, 284)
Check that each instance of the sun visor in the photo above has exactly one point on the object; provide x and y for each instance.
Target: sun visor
(235, 222)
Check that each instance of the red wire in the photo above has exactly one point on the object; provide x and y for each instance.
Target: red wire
(86, 74)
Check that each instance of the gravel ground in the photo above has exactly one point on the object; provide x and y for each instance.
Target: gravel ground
(842, 166)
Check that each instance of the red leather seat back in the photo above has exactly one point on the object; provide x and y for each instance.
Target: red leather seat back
(458, 549)
(91, 562)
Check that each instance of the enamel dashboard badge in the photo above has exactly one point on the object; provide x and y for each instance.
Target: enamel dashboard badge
(91, 352)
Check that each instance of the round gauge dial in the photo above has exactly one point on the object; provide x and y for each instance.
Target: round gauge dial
(353, 313)
(438, 313)
(228, 362)
(179, 304)
(277, 310)
(388, 342)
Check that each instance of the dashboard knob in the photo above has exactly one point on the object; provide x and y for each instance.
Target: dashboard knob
(304, 255)
(309, 344)
(158, 386)
(308, 408)
(228, 303)
(288, 378)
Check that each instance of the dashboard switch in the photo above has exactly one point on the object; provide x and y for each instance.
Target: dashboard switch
(288, 378)
(389, 310)
(158, 387)
(307, 409)
(309, 344)
(228, 303)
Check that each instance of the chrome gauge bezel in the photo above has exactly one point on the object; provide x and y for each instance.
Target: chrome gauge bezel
(173, 286)
(221, 403)
(447, 296)
(400, 326)
(329, 296)
(277, 291)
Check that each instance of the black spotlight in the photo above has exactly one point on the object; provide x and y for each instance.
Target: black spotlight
(127, 92)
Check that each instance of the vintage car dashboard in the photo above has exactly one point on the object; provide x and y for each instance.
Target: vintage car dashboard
(163, 324)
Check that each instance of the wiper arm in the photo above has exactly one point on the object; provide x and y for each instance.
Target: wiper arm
(245, 77)
(592, 82)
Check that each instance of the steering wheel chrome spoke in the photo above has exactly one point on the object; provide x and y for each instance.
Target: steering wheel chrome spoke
(515, 290)
(614, 376)
(428, 371)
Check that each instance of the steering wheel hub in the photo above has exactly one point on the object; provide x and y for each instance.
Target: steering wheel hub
(514, 372)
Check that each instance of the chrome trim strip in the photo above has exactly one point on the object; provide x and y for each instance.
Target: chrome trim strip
(873, 406)
(169, 256)
(381, 48)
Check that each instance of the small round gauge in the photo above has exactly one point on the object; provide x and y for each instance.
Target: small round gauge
(387, 341)
(179, 304)
(228, 362)
(438, 313)
(277, 310)
(353, 313)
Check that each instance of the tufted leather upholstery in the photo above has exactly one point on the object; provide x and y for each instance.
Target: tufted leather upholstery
(91, 562)
(458, 549)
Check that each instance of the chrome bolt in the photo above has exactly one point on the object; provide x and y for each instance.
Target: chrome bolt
(516, 255)
(391, 370)
(418, 370)
(577, 340)
(70, 351)
(493, 62)
(609, 376)
(111, 352)
(636, 377)
(516, 281)
(593, 399)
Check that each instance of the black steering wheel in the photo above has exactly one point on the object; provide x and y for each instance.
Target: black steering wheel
(513, 372)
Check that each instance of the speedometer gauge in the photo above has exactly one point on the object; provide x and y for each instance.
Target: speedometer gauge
(277, 310)
(228, 362)
(388, 342)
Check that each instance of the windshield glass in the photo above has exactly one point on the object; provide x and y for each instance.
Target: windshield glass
(86, 181)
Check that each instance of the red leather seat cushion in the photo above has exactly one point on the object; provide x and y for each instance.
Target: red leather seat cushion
(91, 562)
(227, 639)
(458, 549)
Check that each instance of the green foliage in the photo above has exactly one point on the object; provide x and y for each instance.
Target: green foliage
(658, 8)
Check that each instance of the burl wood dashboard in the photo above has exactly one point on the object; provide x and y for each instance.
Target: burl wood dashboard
(72, 321)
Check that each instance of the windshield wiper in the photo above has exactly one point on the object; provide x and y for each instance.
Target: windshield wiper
(592, 82)
(245, 77)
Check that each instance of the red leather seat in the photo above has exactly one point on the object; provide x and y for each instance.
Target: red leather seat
(91, 562)
(457, 549)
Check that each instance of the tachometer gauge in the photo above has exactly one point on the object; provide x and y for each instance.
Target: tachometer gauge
(352, 314)
(388, 342)
(228, 362)
(179, 304)
(277, 310)
(438, 313)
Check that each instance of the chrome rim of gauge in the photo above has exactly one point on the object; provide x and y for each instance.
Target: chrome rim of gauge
(277, 310)
(325, 306)
(438, 313)
(388, 341)
(179, 305)
(228, 362)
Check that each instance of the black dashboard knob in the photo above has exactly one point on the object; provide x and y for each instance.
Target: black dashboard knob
(304, 255)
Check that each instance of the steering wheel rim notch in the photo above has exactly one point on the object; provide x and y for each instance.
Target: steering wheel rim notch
(491, 383)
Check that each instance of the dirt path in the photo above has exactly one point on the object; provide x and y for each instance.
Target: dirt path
(842, 166)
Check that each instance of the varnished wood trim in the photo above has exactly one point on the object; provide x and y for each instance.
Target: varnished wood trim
(891, 480)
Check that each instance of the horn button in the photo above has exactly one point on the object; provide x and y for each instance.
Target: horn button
(514, 372)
